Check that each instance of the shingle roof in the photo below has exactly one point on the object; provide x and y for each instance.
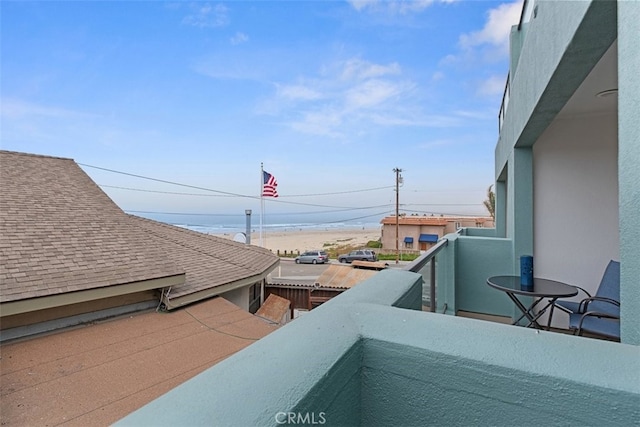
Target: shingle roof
(208, 260)
(59, 232)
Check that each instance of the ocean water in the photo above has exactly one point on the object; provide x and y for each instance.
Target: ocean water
(229, 224)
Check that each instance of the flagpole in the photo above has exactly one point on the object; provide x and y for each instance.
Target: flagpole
(261, 199)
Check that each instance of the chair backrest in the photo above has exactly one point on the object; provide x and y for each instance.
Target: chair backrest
(610, 283)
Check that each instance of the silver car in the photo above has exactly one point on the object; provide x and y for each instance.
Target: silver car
(312, 257)
(360, 255)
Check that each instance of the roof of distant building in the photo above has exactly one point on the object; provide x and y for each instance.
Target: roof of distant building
(430, 220)
(336, 277)
(343, 276)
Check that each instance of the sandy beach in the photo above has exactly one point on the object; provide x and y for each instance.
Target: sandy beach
(302, 240)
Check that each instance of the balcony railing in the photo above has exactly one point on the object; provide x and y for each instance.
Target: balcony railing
(504, 104)
(529, 11)
(426, 266)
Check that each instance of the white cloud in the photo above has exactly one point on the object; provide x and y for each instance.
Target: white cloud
(346, 97)
(436, 144)
(371, 93)
(239, 38)
(207, 16)
(360, 70)
(395, 6)
(438, 75)
(496, 29)
(231, 66)
(298, 92)
(324, 122)
(362, 4)
(15, 109)
(488, 46)
(478, 115)
(494, 85)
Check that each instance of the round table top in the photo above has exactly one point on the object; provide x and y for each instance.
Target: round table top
(541, 287)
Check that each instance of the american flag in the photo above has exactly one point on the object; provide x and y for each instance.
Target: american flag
(269, 185)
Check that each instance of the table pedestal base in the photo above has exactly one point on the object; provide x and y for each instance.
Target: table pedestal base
(528, 312)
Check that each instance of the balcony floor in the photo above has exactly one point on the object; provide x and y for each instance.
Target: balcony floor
(507, 321)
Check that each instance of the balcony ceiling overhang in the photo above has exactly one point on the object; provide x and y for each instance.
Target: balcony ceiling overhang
(603, 77)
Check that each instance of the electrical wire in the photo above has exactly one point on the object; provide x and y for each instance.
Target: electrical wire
(221, 193)
(339, 192)
(164, 192)
(167, 182)
(212, 190)
(242, 215)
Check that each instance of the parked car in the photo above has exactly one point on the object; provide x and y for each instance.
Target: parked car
(312, 257)
(359, 255)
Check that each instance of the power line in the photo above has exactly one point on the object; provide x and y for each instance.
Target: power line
(164, 192)
(340, 192)
(169, 182)
(180, 213)
(442, 213)
(442, 204)
(362, 217)
(225, 193)
(221, 193)
(242, 215)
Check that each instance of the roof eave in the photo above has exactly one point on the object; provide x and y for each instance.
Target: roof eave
(177, 302)
(42, 303)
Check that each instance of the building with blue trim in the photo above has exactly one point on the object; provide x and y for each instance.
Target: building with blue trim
(421, 232)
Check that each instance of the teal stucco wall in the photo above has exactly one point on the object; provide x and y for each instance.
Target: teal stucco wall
(453, 371)
(369, 357)
(629, 172)
(477, 259)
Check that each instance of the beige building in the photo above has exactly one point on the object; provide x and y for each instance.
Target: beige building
(419, 233)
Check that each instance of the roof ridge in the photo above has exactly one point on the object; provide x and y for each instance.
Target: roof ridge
(21, 153)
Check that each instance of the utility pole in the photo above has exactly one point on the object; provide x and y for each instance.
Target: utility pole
(398, 182)
(247, 213)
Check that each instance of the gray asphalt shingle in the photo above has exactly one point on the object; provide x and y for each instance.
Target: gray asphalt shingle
(59, 232)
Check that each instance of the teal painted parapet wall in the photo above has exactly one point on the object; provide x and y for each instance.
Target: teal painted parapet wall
(480, 232)
(426, 369)
(463, 269)
(304, 365)
(368, 357)
(629, 172)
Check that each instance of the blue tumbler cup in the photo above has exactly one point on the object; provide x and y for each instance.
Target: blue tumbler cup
(526, 273)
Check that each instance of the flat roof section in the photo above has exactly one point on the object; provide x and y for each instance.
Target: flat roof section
(97, 374)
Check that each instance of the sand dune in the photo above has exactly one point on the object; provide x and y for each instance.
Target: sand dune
(302, 240)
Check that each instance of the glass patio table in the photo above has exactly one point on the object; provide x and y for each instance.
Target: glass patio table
(542, 289)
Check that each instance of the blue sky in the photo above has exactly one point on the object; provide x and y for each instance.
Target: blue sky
(330, 96)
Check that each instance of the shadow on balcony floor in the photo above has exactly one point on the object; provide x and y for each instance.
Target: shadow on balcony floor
(507, 321)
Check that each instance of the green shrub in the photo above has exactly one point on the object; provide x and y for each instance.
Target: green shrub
(392, 257)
